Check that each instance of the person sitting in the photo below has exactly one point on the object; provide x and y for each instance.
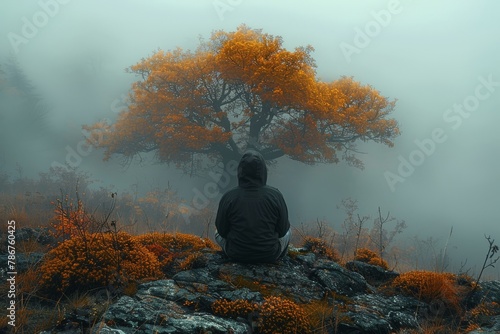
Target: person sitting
(252, 218)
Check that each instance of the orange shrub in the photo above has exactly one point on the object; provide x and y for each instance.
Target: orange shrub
(176, 242)
(163, 255)
(71, 221)
(176, 251)
(275, 315)
(320, 248)
(97, 260)
(370, 257)
(193, 261)
(279, 315)
(234, 309)
(429, 286)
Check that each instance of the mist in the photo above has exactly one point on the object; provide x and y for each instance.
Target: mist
(439, 60)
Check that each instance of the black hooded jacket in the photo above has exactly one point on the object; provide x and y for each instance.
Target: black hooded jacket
(252, 216)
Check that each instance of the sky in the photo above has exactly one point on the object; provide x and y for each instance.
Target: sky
(438, 59)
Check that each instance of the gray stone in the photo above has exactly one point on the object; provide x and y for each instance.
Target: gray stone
(40, 235)
(338, 279)
(398, 311)
(491, 291)
(374, 274)
(363, 322)
(104, 329)
(150, 314)
(166, 289)
(492, 328)
(285, 279)
(24, 261)
(183, 304)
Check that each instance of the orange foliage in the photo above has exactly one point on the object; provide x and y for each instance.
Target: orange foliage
(236, 88)
(479, 313)
(320, 248)
(97, 260)
(430, 286)
(192, 261)
(279, 315)
(176, 251)
(234, 309)
(70, 221)
(241, 282)
(176, 242)
(370, 257)
(275, 315)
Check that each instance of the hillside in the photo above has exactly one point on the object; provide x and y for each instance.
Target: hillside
(181, 283)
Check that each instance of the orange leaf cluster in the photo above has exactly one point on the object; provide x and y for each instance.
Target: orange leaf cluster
(259, 62)
(97, 260)
(370, 257)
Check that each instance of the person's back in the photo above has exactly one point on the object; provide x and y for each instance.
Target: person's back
(252, 219)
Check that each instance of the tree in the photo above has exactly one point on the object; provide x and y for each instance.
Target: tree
(380, 236)
(242, 90)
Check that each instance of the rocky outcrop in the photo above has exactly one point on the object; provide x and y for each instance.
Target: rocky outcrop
(339, 280)
(147, 313)
(373, 274)
(183, 303)
(24, 261)
(40, 235)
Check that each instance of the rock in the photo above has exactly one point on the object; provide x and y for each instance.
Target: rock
(286, 278)
(363, 322)
(492, 328)
(302, 255)
(211, 289)
(397, 311)
(491, 291)
(149, 314)
(186, 289)
(24, 261)
(103, 329)
(166, 289)
(40, 235)
(374, 274)
(339, 280)
(487, 292)
(373, 313)
(183, 303)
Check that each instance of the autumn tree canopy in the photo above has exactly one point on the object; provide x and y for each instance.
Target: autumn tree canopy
(244, 89)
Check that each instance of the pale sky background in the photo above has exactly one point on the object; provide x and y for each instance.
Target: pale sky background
(429, 56)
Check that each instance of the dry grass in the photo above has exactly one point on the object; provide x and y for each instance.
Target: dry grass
(368, 256)
(430, 287)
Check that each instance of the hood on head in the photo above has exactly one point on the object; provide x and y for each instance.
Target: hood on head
(252, 170)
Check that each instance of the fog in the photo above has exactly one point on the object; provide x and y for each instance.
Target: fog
(438, 59)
